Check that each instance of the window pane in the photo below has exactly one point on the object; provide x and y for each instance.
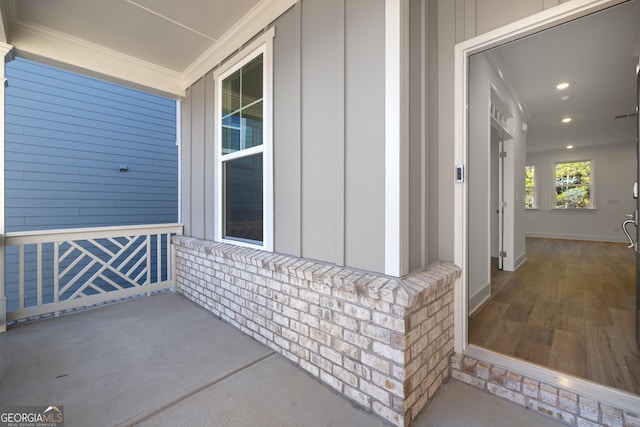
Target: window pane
(231, 133)
(252, 81)
(529, 199)
(231, 93)
(242, 105)
(529, 176)
(573, 197)
(573, 173)
(243, 199)
(573, 185)
(529, 187)
(252, 126)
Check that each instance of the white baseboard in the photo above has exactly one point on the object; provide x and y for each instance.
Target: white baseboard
(480, 297)
(588, 237)
(521, 260)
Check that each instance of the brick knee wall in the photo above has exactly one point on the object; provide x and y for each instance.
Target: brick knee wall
(566, 406)
(385, 343)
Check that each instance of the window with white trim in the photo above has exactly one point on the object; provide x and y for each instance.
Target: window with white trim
(530, 193)
(574, 185)
(244, 203)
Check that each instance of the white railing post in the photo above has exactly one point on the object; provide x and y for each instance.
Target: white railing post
(171, 272)
(149, 264)
(172, 264)
(39, 273)
(56, 275)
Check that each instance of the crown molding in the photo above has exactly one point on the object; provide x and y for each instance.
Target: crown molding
(258, 18)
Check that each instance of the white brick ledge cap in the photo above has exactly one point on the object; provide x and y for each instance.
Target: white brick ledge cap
(408, 291)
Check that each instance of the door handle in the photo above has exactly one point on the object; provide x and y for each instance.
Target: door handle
(625, 223)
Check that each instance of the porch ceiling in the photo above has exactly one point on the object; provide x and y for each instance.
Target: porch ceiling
(160, 45)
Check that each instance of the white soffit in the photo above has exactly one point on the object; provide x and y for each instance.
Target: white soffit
(157, 44)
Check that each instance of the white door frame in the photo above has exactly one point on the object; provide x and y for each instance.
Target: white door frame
(548, 18)
(500, 206)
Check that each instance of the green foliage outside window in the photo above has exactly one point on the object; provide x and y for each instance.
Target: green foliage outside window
(530, 187)
(573, 185)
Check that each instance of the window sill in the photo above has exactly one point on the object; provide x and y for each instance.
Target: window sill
(573, 209)
(244, 244)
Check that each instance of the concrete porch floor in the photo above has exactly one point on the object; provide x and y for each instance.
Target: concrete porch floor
(163, 361)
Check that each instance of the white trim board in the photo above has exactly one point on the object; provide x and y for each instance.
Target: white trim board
(396, 59)
(5, 50)
(585, 237)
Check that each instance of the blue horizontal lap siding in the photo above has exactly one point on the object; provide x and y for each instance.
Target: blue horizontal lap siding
(65, 137)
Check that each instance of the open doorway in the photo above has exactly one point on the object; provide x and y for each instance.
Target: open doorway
(561, 293)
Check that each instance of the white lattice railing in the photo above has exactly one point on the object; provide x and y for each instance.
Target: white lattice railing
(56, 270)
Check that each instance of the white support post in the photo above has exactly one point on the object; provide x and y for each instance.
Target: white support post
(7, 53)
(56, 275)
(396, 138)
(149, 264)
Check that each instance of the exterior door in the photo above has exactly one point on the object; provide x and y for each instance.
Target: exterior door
(501, 204)
(635, 191)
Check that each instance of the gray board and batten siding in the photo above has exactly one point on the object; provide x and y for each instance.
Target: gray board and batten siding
(67, 136)
(328, 141)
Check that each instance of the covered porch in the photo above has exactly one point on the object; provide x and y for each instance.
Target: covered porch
(349, 284)
(162, 360)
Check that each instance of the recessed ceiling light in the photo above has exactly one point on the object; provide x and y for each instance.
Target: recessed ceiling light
(566, 120)
(569, 147)
(562, 86)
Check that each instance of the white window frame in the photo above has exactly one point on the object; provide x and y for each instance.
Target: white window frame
(261, 45)
(535, 187)
(592, 200)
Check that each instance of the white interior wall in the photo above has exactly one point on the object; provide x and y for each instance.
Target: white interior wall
(482, 175)
(495, 196)
(479, 181)
(615, 174)
(519, 218)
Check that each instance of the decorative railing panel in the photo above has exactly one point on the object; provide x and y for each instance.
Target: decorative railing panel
(53, 271)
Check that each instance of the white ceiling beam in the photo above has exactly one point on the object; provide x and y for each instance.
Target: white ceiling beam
(55, 48)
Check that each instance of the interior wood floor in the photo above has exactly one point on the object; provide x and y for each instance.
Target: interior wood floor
(569, 307)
